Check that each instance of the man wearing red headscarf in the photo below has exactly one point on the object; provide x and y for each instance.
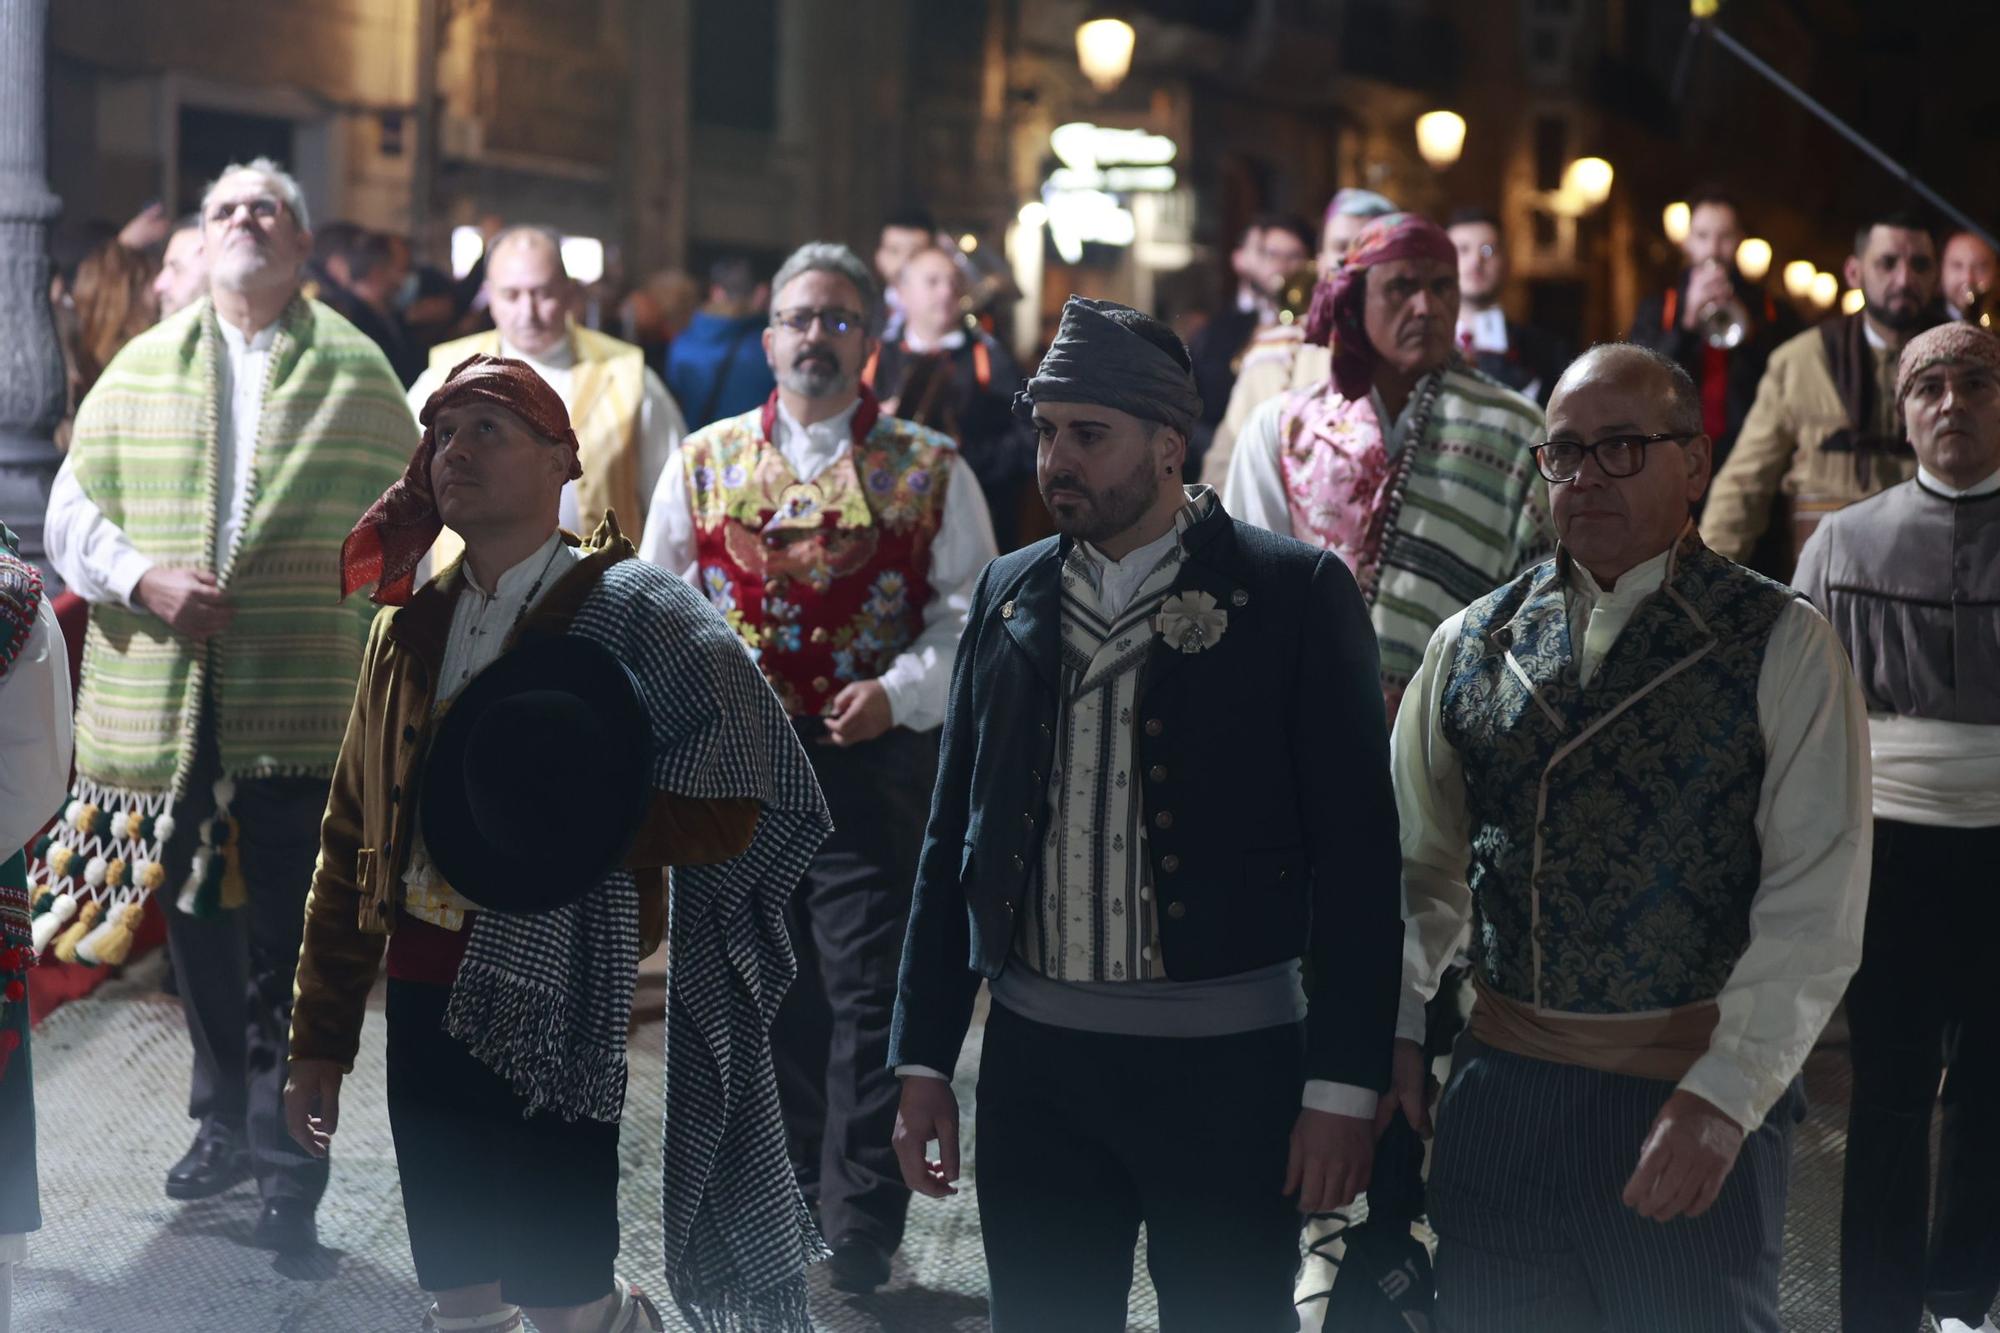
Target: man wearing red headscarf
(1414, 467)
(507, 1130)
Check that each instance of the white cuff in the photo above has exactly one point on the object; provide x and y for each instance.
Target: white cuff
(1338, 1098)
(919, 1071)
(124, 576)
(1743, 1095)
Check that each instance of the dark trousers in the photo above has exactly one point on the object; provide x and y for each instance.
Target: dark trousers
(831, 1038)
(491, 1195)
(1083, 1136)
(1527, 1168)
(1922, 1006)
(235, 970)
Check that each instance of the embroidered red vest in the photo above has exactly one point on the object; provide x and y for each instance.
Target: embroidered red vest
(824, 580)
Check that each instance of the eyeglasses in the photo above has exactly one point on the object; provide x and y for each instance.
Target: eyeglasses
(1616, 455)
(833, 319)
(263, 208)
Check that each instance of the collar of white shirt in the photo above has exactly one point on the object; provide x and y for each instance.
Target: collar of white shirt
(561, 357)
(515, 583)
(238, 343)
(951, 341)
(1488, 328)
(1634, 585)
(811, 449)
(1932, 482)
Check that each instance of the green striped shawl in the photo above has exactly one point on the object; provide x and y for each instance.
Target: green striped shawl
(334, 433)
(1466, 510)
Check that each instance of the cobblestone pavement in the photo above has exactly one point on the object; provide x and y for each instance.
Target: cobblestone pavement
(115, 1255)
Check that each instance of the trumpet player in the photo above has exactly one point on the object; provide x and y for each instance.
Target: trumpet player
(1717, 324)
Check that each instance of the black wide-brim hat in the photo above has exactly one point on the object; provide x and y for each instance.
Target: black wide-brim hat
(537, 781)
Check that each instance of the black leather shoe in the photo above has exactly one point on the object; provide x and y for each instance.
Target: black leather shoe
(858, 1267)
(212, 1165)
(287, 1226)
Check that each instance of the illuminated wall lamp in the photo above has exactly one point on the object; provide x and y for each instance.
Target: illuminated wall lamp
(1104, 50)
(1674, 220)
(1753, 258)
(1440, 138)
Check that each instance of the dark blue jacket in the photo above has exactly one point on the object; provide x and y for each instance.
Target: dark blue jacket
(1265, 769)
(697, 357)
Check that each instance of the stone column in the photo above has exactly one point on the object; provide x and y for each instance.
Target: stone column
(32, 379)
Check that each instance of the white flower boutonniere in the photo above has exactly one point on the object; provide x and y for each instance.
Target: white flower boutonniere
(1191, 621)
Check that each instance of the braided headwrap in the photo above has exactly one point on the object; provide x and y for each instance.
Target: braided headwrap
(1098, 358)
(1340, 301)
(1946, 342)
(391, 538)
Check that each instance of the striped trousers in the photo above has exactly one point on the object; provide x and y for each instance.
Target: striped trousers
(1528, 1165)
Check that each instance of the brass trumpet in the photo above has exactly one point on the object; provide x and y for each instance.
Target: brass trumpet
(1979, 305)
(1295, 298)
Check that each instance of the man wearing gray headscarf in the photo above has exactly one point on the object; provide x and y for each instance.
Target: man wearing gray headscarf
(1190, 931)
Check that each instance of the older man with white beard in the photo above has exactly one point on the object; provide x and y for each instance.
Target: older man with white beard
(216, 467)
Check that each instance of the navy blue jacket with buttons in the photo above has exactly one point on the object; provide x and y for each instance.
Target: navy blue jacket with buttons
(1268, 752)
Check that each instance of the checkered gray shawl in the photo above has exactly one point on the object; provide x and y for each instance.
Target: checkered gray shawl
(545, 1000)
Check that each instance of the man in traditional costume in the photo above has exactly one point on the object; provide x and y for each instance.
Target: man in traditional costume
(35, 750)
(948, 373)
(1911, 581)
(1416, 469)
(1279, 358)
(1824, 430)
(215, 469)
(507, 1028)
(626, 422)
(1188, 926)
(841, 544)
(1639, 774)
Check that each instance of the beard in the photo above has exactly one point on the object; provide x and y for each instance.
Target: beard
(1906, 315)
(1094, 516)
(816, 373)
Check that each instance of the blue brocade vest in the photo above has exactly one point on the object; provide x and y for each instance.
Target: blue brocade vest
(1614, 842)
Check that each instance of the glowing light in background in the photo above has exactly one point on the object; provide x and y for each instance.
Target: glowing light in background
(1674, 221)
(1799, 279)
(1440, 137)
(1104, 51)
(1753, 258)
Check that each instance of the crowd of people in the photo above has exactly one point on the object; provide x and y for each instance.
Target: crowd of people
(1566, 724)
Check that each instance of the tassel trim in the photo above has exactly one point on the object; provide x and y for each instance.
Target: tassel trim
(519, 1030)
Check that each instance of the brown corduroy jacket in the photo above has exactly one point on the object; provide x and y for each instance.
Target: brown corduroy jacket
(370, 822)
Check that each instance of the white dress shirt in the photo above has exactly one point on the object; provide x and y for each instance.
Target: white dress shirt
(919, 680)
(480, 624)
(1930, 770)
(95, 557)
(660, 424)
(35, 734)
(1812, 823)
(1482, 330)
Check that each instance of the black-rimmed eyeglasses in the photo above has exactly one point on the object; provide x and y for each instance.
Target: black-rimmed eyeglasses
(1616, 455)
(833, 319)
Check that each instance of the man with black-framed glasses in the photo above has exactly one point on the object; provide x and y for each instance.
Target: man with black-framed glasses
(842, 545)
(1640, 774)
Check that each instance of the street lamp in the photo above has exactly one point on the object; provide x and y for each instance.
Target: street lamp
(1753, 258)
(1440, 138)
(1825, 289)
(1589, 180)
(1799, 279)
(1104, 50)
(1675, 219)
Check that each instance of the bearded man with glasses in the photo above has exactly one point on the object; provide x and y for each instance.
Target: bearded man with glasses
(1640, 773)
(842, 545)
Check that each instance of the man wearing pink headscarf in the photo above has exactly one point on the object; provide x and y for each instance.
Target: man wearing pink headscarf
(1417, 469)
